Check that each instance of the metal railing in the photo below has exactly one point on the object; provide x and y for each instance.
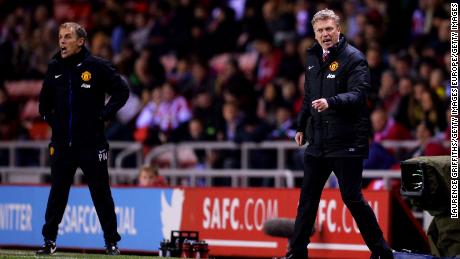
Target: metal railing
(280, 146)
(120, 151)
(127, 149)
(238, 177)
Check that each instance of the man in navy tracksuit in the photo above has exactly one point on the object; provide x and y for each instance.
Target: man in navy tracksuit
(72, 101)
(334, 120)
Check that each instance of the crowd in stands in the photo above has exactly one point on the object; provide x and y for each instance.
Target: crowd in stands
(232, 70)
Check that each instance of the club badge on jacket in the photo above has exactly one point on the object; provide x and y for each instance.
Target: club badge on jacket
(86, 76)
(333, 66)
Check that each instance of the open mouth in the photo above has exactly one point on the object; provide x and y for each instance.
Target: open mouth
(63, 49)
(326, 41)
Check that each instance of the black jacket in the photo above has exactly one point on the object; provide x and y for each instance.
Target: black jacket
(344, 81)
(72, 99)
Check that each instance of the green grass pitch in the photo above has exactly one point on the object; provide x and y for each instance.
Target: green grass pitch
(21, 254)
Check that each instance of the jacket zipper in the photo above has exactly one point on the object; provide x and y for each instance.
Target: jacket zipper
(322, 73)
(70, 110)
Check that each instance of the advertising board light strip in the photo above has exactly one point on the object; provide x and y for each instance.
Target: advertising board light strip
(262, 244)
(336, 246)
(241, 243)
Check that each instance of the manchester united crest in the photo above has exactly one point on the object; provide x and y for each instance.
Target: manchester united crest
(86, 76)
(333, 66)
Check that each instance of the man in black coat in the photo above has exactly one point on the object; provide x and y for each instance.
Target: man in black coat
(334, 120)
(72, 101)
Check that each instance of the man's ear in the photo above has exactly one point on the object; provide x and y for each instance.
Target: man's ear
(81, 42)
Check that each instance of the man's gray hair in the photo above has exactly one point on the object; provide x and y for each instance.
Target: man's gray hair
(79, 30)
(325, 15)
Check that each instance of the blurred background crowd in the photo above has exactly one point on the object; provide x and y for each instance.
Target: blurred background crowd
(232, 70)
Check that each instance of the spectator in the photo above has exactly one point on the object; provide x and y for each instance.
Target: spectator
(289, 93)
(223, 30)
(379, 157)
(386, 128)
(409, 112)
(200, 81)
(123, 125)
(433, 109)
(388, 95)
(100, 46)
(147, 121)
(228, 130)
(232, 120)
(290, 65)
(252, 24)
(302, 15)
(428, 145)
(268, 103)
(125, 60)
(173, 112)
(232, 84)
(269, 61)
(402, 65)
(160, 32)
(8, 111)
(438, 83)
(376, 67)
(284, 127)
(149, 177)
(254, 129)
(424, 69)
(206, 109)
(196, 132)
(148, 73)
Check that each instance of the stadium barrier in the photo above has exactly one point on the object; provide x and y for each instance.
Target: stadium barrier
(230, 220)
(122, 150)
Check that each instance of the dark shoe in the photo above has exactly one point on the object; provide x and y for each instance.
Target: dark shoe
(112, 249)
(48, 248)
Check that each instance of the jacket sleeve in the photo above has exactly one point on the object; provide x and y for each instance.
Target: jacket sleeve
(305, 111)
(117, 88)
(46, 101)
(358, 86)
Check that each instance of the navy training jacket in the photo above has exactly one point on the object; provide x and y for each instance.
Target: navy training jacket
(343, 129)
(73, 98)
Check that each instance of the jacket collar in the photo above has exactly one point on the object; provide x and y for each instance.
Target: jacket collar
(333, 51)
(74, 59)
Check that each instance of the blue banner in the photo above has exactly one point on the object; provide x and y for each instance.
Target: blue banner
(22, 214)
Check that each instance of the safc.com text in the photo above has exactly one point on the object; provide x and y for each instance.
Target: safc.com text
(249, 215)
(334, 217)
(223, 213)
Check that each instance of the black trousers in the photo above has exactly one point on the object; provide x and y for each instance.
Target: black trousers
(349, 175)
(93, 162)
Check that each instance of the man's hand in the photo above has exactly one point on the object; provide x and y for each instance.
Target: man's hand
(320, 104)
(299, 138)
